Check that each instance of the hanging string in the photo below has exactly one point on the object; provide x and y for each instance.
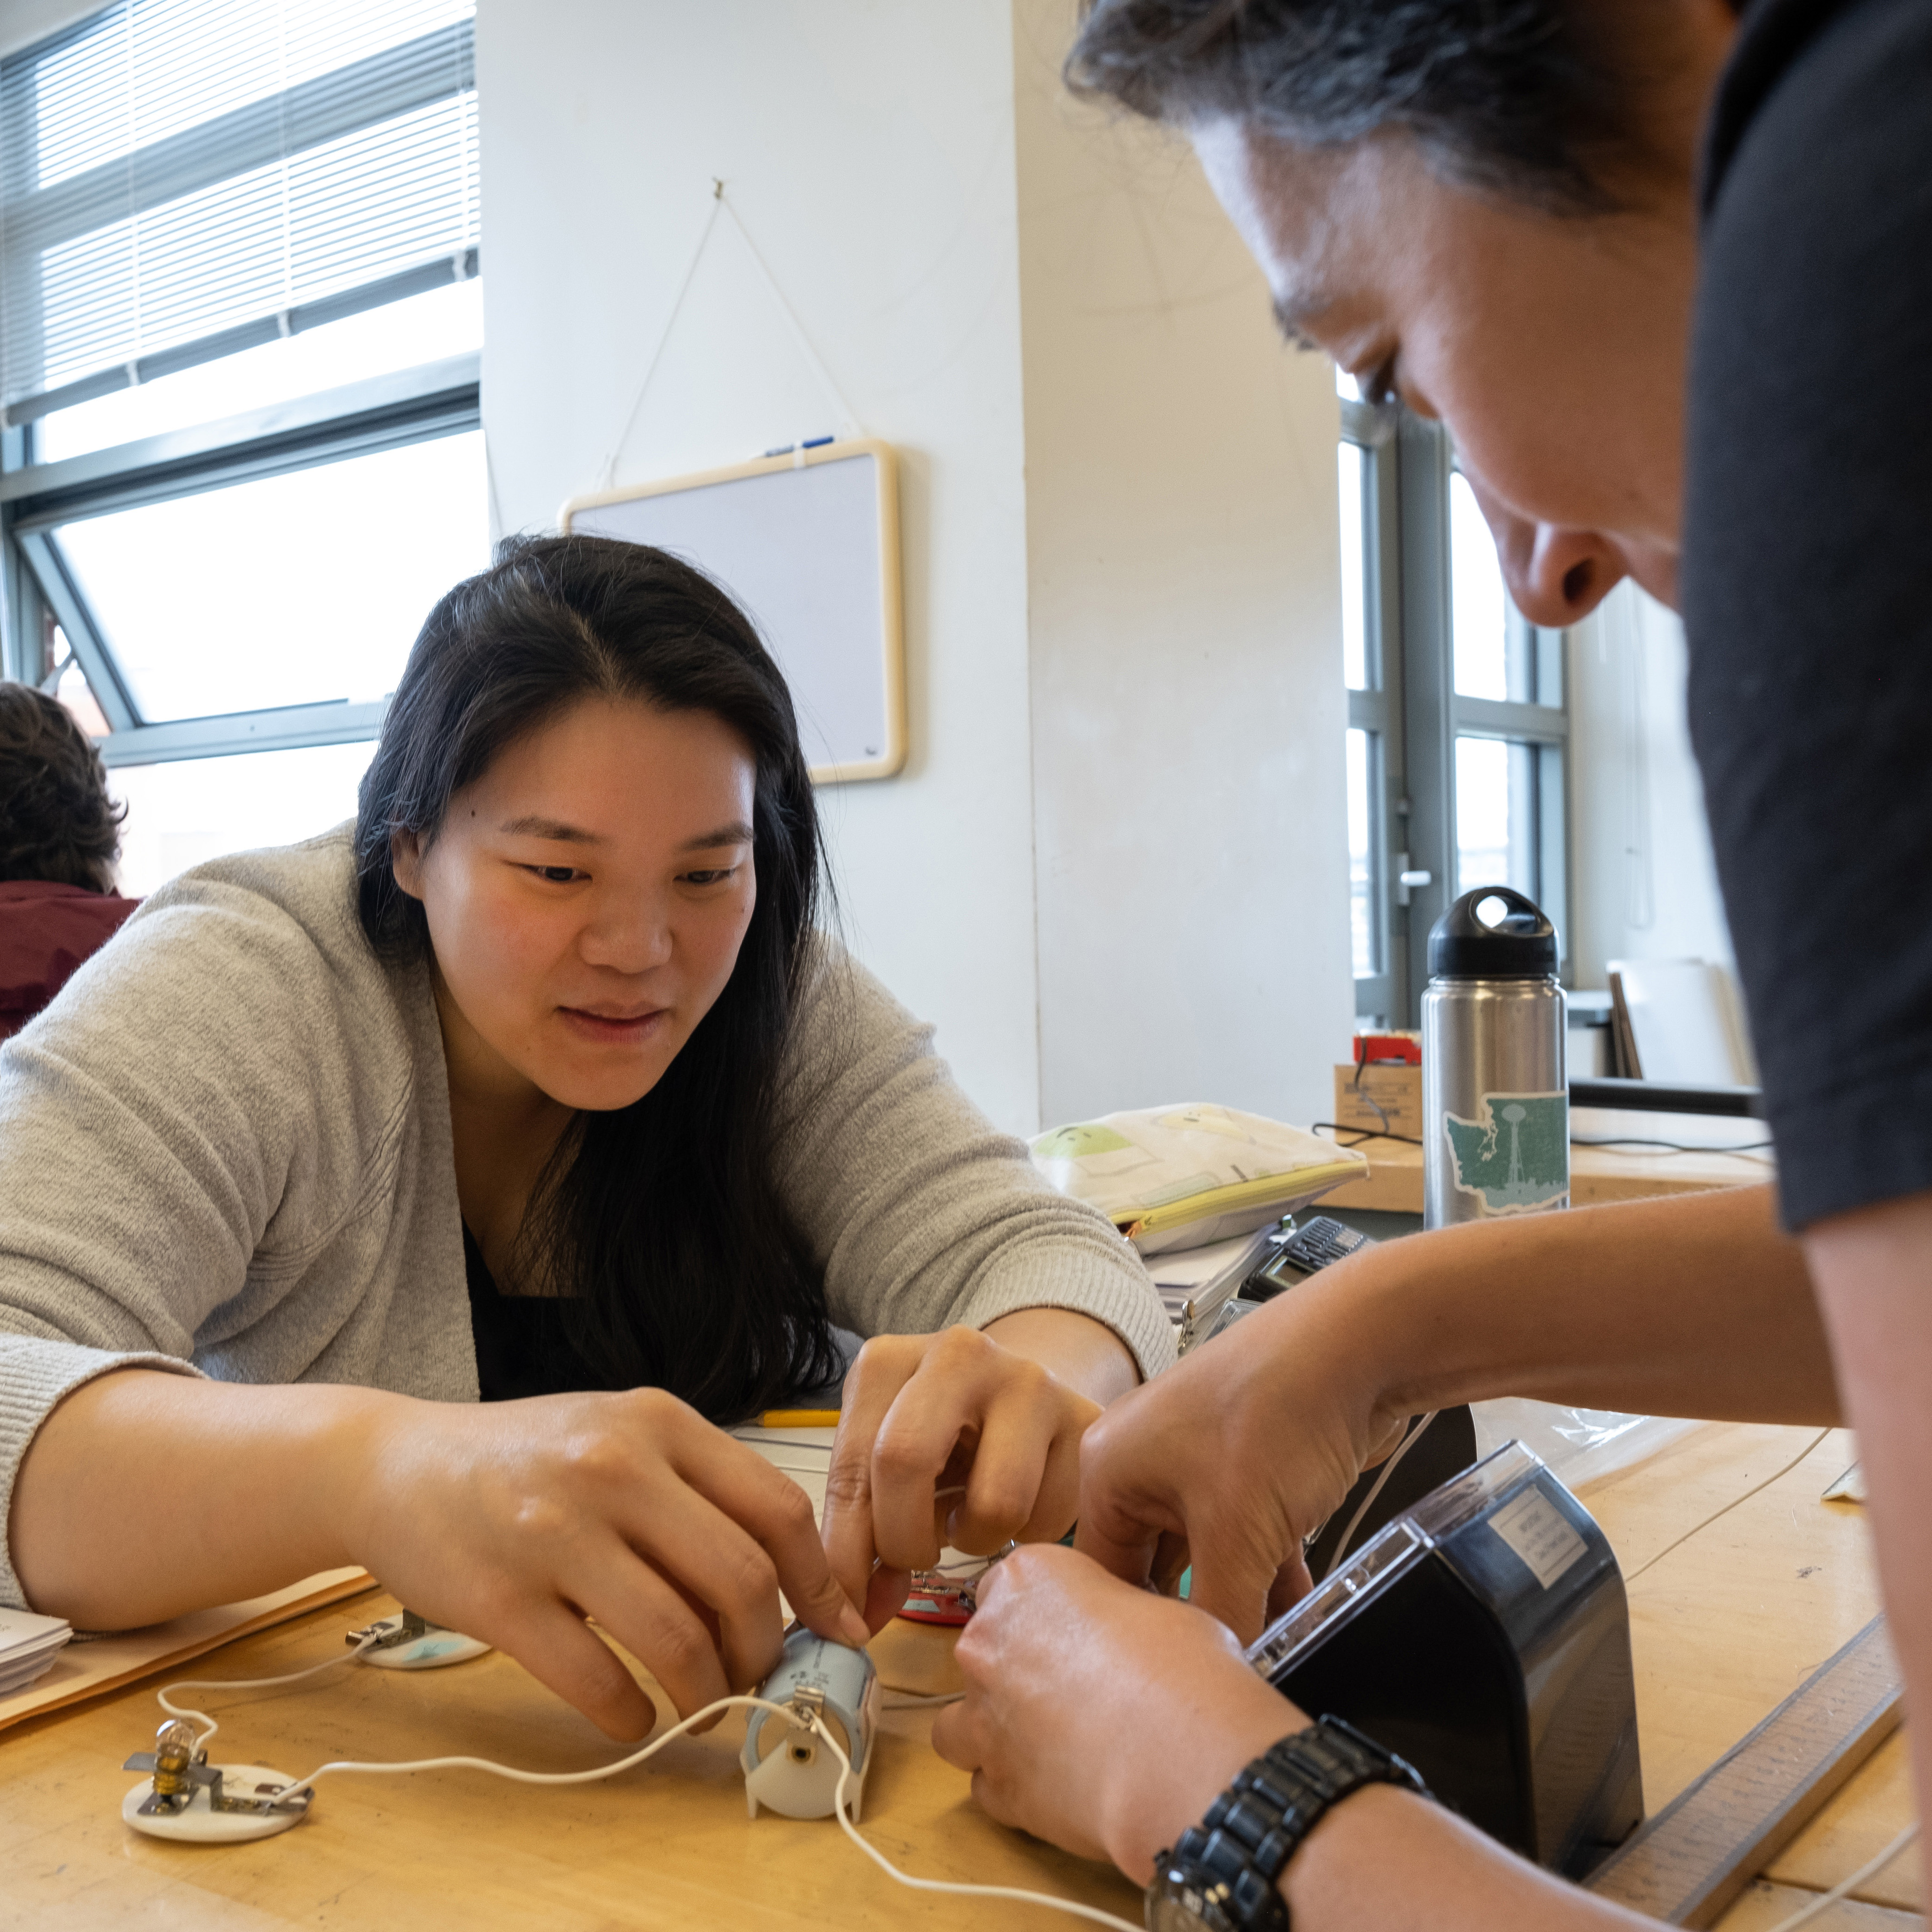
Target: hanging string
(608, 473)
(848, 421)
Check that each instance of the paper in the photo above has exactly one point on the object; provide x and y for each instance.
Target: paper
(1534, 1528)
(1195, 1284)
(1182, 1177)
(92, 1665)
(804, 1454)
(29, 1647)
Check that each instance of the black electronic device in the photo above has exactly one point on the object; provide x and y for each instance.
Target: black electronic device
(1484, 1636)
(1312, 1245)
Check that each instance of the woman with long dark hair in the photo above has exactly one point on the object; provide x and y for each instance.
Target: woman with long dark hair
(1529, 218)
(543, 1087)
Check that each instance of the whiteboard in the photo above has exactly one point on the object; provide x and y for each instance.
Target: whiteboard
(807, 545)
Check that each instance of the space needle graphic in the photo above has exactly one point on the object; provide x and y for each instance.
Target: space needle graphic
(1515, 1114)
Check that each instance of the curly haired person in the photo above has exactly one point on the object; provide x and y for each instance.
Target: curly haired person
(60, 835)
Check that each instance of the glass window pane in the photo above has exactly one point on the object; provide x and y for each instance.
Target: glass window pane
(298, 588)
(1495, 814)
(179, 815)
(1479, 610)
(425, 328)
(1364, 927)
(1346, 386)
(75, 692)
(1349, 465)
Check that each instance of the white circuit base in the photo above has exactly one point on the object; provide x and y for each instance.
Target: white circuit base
(198, 1824)
(430, 1651)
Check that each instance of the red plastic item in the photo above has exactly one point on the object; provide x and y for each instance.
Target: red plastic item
(1403, 1049)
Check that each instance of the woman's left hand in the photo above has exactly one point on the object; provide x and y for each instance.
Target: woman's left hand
(1100, 1716)
(948, 1438)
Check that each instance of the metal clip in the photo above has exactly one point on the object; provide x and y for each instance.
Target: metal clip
(411, 1626)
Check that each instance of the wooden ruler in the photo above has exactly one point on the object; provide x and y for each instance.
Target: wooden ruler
(1688, 1864)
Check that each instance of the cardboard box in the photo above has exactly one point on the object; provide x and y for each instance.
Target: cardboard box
(1395, 1088)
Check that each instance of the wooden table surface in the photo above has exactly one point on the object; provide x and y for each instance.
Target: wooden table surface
(1626, 1172)
(1741, 1582)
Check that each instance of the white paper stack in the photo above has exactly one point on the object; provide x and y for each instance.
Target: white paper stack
(1195, 1284)
(28, 1644)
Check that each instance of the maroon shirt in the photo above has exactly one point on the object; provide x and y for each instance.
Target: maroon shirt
(45, 931)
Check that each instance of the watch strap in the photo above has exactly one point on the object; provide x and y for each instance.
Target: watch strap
(1232, 1858)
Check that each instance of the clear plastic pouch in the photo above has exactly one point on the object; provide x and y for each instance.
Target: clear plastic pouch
(1579, 1445)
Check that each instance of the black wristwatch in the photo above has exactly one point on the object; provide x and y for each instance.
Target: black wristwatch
(1222, 1873)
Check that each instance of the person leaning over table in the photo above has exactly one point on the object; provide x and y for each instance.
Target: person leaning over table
(1521, 218)
(540, 1085)
(60, 835)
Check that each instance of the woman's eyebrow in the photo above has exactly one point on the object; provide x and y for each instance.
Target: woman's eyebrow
(534, 827)
(737, 833)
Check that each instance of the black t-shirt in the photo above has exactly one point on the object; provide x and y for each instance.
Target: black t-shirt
(1807, 578)
(523, 1348)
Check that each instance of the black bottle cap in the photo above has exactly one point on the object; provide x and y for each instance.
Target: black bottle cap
(1521, 945)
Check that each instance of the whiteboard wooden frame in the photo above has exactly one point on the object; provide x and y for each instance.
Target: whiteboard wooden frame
(892, 616)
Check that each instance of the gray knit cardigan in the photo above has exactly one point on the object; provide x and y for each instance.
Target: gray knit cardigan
(225, 1149)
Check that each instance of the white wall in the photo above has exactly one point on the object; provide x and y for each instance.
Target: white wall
(1113, 871)
(1184, 600)
(868, 148)
(1645, 886)
(1132, 554)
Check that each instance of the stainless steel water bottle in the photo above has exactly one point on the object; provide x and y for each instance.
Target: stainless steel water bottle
(1496, 1096)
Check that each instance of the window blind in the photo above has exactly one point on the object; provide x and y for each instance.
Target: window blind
(181, 178)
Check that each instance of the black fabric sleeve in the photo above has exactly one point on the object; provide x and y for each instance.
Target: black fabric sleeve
(1807, 594)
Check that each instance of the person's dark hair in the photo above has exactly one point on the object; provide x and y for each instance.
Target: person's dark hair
(1532, 100)
(661, 1223)
(56, 821)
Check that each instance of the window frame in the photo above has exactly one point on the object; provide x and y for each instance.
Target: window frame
(379, 412)
(1413, 715)
(1378, 709)
(38, 591)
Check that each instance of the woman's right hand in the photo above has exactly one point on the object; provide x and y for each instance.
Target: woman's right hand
(515, 1522)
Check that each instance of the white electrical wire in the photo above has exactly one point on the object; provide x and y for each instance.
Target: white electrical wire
(1389, 1468)
(952, 1888)
(1845, 1887)
(955, 1889)
(590, 1776)
(163, 1696)
(341, 1766)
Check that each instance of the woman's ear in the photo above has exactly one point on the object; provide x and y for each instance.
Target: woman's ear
(405, 860)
